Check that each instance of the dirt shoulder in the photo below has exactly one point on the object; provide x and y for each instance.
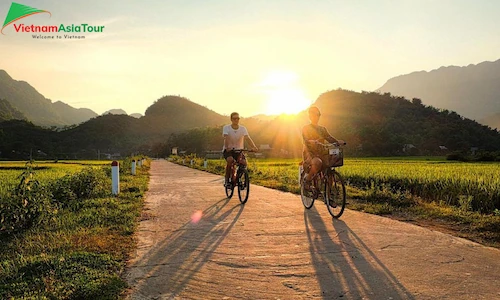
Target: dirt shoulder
(273, 248)
(486, 238)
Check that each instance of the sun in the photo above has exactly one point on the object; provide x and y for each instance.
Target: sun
(286, 101)
(283, 93)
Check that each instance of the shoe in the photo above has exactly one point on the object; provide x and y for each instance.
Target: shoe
(332, 204)
(228, 184)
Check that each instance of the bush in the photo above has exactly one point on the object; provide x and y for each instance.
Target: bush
(486, 156)
(29, 203)
(480, 156)
(88, 183)
(457, 156)
(62, 192)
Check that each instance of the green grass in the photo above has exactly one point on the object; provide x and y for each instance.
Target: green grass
(79, 252)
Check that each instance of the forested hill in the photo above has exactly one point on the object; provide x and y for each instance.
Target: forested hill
(174, 113)
(381, 124)
(109, 133)
(371, 123)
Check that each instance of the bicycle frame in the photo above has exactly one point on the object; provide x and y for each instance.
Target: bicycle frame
(236, 165)
(318, 178)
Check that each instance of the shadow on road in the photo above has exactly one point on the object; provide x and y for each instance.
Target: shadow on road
(179, 256)
(344, 266)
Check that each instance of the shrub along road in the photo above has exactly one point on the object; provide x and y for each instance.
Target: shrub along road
(273, 248)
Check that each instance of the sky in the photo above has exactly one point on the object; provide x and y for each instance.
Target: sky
(253, 57)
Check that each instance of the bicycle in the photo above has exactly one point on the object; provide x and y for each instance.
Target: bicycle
(239, 178)
(327, 183)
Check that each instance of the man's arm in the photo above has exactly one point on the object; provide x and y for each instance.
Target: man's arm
(331, 139)
(250, 141)
(225, 136)
(308, 142)
(327, 136)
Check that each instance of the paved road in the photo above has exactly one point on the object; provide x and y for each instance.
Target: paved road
(272, 248)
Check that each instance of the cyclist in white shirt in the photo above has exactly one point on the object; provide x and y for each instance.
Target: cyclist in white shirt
(234, 139)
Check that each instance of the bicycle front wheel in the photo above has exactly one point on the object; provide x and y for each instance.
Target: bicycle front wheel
(306, 195)
(335, 197)
(243, 186)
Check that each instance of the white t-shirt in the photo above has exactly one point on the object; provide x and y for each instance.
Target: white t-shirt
(235, 137)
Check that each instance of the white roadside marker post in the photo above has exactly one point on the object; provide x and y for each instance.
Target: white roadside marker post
(115, 177)
(133, 167)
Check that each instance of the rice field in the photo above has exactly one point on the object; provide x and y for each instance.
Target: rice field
(45, 171)
(473, 185)
(449, 182)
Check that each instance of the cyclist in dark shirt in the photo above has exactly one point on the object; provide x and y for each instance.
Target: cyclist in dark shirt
(311, 135)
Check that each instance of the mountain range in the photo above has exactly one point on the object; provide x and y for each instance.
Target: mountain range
(373, 124)
(25, 100)
(472, 91)
(38, 109)
(7, 112)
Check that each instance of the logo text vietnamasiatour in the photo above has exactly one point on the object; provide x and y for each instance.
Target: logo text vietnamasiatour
(60, 28)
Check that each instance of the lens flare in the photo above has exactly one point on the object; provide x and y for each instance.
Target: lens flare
(196, 216)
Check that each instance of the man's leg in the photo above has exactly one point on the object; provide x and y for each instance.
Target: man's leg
(229, 166)
(315, 167)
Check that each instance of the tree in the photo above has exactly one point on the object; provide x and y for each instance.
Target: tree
(416, 101)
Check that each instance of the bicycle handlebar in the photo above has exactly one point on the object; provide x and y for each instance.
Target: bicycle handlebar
(243, 150)
(337, 144)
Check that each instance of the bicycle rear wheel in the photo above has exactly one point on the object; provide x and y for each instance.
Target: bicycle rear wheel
(229, 191)
(306, 195)
(243, 186)
(335, 197)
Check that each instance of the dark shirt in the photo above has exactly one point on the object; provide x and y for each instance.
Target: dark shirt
(312, 132)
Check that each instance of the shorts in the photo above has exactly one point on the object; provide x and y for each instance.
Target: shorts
(231, 153)
(308, 157)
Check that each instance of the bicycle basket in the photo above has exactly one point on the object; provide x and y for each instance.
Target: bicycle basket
(334, 157)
